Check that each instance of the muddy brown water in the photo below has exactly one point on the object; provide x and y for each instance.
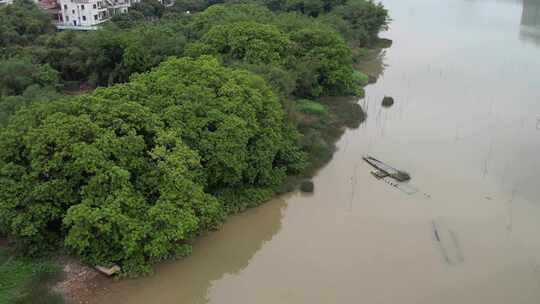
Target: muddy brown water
(465, 76)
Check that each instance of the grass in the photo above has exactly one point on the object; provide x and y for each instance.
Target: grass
(23, 280)
(311, 107)
(363, 79)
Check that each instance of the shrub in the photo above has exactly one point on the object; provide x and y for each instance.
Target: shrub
(311, 107)
(361, 78)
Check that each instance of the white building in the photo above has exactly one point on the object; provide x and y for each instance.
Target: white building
(88, 14)
(5, 2)
(81, 14)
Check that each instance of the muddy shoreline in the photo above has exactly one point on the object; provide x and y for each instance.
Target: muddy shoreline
(79, 283)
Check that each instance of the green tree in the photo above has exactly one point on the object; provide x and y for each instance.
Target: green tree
(225, 115)
(33, 93)
(109, 56)
(223, 14)
(366, 19)
(283, 81)
(22, 22)
(131, 173)
(17, 74)
(324, 63)
(147, 46)
(65, 52)
(128, 20)
(150, 9)
(191, 5)
(249, 41)
(311, 8)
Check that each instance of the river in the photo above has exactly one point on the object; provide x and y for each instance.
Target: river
(465, 76)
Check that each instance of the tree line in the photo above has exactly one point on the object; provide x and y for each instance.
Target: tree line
(201, 110)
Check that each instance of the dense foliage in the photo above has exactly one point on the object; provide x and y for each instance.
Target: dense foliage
(21, 24)
(18, 74)
(22, 81)
(109, 56)
(129, 173)
(197, 116)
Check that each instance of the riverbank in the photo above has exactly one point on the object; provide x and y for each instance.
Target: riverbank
(320, 132)
(322, 129)
(79, 284)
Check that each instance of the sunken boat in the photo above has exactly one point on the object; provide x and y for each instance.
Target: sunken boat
(383, 170)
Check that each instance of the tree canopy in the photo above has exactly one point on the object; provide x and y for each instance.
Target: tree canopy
(194, 116)
(18, 74)
(130, 173)
(249, 41)
(22, 23)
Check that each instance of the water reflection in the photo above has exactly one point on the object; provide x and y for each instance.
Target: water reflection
(372, 60)
(530, 22)
(226, 251)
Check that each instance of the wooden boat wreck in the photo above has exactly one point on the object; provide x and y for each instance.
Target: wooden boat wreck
(383, 170)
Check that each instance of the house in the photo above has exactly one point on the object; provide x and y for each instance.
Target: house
(5, 2)
(81, 14)
(88, 14)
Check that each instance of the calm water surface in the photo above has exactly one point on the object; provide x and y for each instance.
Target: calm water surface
(465, 75)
